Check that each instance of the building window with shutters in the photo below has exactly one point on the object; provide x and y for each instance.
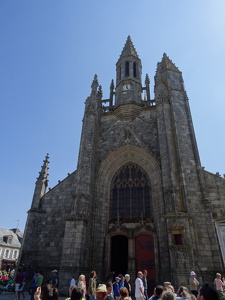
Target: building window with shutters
(6, 253)
(15, 254)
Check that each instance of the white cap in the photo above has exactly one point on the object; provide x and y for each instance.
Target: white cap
(192, 273)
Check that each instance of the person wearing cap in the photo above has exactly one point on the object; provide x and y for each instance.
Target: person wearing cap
(116, 288)
(193, 282)
(55, 279)
(101, 292)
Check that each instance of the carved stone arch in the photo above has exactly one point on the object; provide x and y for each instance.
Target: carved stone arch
(115, 160)
(108, 168)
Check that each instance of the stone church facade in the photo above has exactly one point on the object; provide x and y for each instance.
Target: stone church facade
(139, 198)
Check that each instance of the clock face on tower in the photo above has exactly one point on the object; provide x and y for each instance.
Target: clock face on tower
(126, 87)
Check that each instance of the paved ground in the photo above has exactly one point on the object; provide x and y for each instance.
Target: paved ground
(11, 296)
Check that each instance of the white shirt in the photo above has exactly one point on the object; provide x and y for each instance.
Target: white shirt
(138, 285)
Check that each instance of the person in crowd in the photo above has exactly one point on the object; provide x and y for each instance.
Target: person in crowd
(193, 297)
(206, 292)
(21, 287)
(124, 294)
(12, 273)
(168, 295)
(70, 292)
(92, 285)
(122, 280)
(39, 279)
(82, 284)
(55, 279)
(193, 282)
(183, 294)
(46, 292)
(116, 288)
(139, 287)
(110, 277)
(33, 286)
(171, 289)
(24, 274)
(4, 276)
(18, 282)
(101, 292)
(145, 283)
(72, 281)
(20, 290)
(219, 284)
(109, 289)
(127, 284)
(158, 290)
(77, 294)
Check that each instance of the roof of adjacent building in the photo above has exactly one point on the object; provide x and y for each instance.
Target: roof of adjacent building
(7, 232)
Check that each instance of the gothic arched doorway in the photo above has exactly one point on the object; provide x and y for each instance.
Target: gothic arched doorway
(119, 254)
(145, 258)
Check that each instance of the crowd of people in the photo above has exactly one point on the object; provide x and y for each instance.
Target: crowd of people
(115, 288)
(119, 288)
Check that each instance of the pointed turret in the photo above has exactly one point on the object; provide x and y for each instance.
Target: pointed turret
(128, 78)
(93, 102)
(41, 184)
(128, 49)
(94, 85)
(111, 93)
(167, 78)
(166, 64)
(147, 85)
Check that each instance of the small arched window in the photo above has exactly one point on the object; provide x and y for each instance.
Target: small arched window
(120, 73)
(134, 70)
(130, 193)
(127, 70)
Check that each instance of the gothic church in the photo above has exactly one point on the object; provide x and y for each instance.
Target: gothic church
(139, 198)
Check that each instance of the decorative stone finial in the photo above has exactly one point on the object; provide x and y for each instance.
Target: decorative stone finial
(94, 85)
(100, 94)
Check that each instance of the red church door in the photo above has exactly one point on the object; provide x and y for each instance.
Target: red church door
(145, 259)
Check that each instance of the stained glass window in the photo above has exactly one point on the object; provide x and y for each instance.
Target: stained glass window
(130, 193)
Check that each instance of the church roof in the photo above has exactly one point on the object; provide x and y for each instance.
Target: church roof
(9, 233)
(128, 49)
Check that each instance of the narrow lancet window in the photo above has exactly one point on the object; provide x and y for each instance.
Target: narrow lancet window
(127, 71)
(134, 70)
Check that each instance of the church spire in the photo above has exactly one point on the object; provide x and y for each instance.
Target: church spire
(128, 49)
(128, 75)
(41, 183)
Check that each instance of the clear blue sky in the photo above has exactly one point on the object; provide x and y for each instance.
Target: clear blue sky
(50, 51)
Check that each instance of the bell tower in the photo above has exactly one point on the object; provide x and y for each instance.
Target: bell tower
(128, 76)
